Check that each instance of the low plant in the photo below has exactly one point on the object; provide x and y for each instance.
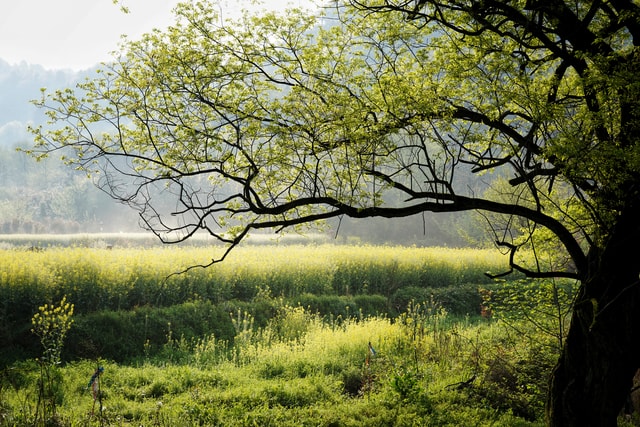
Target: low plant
(51, 324)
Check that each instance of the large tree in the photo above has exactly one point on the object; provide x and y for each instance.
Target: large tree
(374, 110)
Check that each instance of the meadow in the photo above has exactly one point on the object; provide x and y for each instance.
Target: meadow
(317, 335)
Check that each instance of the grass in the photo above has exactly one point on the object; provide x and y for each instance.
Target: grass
(275, 335)
(325, 376)
(131, 291)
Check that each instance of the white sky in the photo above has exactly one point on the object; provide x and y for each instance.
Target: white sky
(77, 34)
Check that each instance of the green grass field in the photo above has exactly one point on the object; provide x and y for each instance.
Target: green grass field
(300, 370)
(275, 335)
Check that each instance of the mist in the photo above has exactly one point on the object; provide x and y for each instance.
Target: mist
(48, 197)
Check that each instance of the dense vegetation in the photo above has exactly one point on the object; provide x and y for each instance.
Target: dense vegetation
(429, 369)
(275, 335)
(139, 285)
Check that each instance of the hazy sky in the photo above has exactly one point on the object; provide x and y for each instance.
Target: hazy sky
(77, 34)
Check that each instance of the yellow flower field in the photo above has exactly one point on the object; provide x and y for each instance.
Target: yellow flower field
(121, 278)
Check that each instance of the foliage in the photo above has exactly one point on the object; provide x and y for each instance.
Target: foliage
(273, 358)
(376, 109)
(296, 136)
(325, 375)
(51, 324)
(545, 304)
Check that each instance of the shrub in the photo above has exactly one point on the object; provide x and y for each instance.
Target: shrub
(123, 335)
(353, 380)
(459, 300)
(291, 323)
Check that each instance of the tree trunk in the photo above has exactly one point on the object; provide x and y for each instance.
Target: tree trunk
(594, 375)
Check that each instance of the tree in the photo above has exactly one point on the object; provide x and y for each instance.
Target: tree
(276, 122)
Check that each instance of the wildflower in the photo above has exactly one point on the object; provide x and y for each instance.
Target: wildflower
(51, 324)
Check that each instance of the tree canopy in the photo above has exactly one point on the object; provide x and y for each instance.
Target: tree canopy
(275, 121)
(376, 108)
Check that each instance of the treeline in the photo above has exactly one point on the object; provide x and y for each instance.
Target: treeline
(48, 197)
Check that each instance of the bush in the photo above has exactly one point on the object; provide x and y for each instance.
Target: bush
(353, 380)
(123, 335)
(344, 306)
(458, 300)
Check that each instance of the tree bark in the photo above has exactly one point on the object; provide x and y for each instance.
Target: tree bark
(594, 375)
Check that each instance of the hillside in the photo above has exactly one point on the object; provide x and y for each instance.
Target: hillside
(18, 85)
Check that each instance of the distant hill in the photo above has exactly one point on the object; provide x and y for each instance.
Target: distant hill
(19, 84)
(47, 196)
